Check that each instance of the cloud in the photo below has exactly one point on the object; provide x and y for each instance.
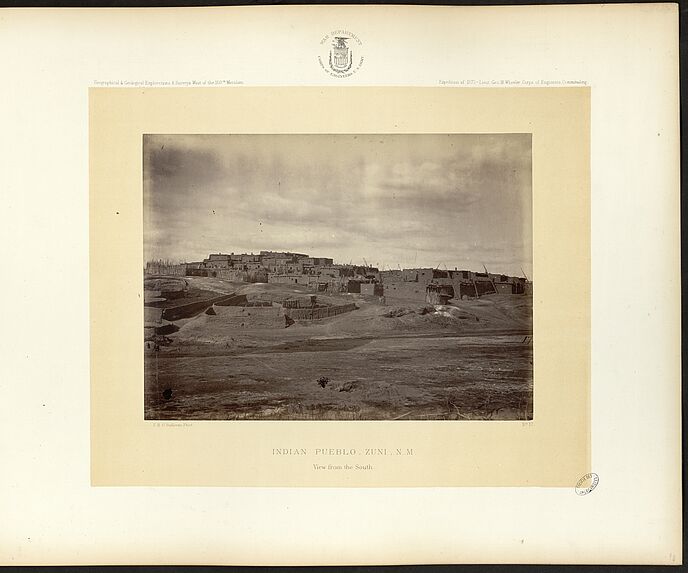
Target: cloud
(346, 196)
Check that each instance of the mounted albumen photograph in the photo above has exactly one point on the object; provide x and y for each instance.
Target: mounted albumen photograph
(338, 277)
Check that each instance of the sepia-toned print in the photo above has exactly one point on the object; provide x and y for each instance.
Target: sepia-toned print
(338, 277)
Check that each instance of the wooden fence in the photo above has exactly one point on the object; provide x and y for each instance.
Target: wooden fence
(318, 312)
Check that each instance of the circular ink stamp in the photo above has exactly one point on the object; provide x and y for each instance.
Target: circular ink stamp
(341, 53)
(587, 483)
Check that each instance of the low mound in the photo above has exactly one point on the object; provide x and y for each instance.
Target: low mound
(503, 312)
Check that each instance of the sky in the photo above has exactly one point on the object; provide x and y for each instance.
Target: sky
(396, 201)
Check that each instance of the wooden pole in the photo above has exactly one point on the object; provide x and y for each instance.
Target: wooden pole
(488, 276)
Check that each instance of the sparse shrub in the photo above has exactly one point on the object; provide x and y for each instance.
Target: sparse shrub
(323, 381)
(348, 386)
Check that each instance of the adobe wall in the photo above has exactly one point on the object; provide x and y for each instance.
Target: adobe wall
(504, 288)
(231, 274)
(250, 316)
(190, 309)
(152, 315)
(406, 290)
(371, 289)
(165, 270)
(289, 279)
(235, 300)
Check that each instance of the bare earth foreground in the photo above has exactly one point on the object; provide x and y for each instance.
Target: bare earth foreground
(406, 360)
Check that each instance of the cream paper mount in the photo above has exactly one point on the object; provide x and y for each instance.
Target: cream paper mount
(552, 450)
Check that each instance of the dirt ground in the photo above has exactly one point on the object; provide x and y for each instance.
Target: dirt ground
(405, 360)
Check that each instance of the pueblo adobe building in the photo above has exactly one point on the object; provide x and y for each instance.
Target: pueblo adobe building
(321, 274)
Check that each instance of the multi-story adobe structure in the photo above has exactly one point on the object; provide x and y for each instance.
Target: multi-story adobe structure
(413, 283)
(321, 273)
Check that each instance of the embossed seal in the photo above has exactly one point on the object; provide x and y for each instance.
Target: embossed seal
(340, 53)
(587, 483)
